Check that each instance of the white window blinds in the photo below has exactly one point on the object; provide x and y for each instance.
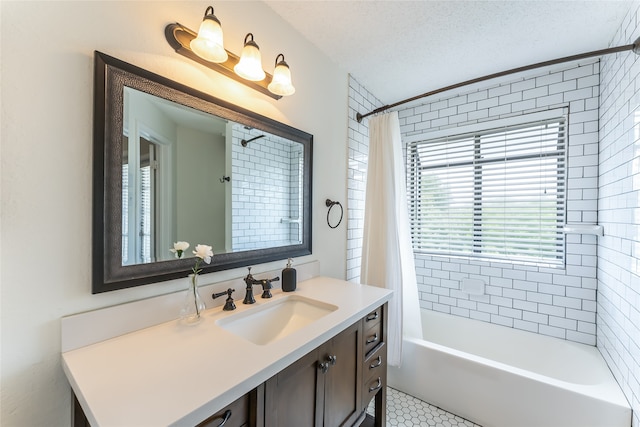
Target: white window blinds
(497, 193)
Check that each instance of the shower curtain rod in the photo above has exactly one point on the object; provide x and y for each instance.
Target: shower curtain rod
(635, 47)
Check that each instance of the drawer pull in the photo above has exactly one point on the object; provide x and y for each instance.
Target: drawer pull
(377, 363)
(372, 316)
(227, 415)
(372, 339)
(377, 386)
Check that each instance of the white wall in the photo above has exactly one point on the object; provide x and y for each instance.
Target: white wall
(199, 157)
(618, 320)
(46, 136)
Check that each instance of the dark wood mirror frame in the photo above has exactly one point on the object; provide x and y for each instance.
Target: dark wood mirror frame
(111, 75)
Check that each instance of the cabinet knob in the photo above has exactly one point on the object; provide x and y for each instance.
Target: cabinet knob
(329, 362)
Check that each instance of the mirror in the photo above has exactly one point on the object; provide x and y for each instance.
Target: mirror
(175, 164)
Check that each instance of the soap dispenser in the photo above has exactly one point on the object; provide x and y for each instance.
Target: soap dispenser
(289, 277)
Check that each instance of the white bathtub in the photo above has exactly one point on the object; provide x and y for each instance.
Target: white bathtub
(502, 377)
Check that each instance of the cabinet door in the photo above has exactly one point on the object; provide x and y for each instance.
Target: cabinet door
(342, 392)
(294, 396)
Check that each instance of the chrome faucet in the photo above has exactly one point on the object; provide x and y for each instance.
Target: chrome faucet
(251, 282)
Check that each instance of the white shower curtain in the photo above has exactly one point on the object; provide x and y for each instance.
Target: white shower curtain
(387, 255)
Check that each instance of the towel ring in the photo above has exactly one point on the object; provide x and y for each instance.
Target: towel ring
(330, 204)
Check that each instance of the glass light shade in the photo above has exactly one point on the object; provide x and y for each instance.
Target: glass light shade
(209, 43)
(281, 82)
(250, 65)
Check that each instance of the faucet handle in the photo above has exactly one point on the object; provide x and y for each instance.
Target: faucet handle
(229, 304)
(267, 286)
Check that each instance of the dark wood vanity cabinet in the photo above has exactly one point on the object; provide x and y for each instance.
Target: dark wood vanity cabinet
(331, 386)
(321, 388)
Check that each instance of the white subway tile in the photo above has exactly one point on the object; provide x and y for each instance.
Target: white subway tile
(549, 79)
(525, 305)
(578, 72)
(478, 315)
(546, 101)
(510, 312)
(564, 323)
(581, 337)
(552, 310)
(501, 320)
(552, 331)
(525, 326)
(565, 86)
(499, 90)
(536, 93)
(539, 318)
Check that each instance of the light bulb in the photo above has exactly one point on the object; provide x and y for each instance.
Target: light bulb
(281, 81)
(209, 44)
(250, 65)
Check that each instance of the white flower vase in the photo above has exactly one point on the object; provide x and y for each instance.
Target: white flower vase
(193, 305)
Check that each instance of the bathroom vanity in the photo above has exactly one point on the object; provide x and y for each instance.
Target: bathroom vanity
(316, 356)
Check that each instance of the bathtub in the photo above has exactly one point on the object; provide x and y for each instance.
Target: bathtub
(502, 377)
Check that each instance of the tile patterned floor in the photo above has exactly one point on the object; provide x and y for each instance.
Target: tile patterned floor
(404, 410)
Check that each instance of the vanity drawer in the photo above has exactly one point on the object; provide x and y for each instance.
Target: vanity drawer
(373, 386)
(372, 337)
(236, 414)
(372, 318)
(375, 365)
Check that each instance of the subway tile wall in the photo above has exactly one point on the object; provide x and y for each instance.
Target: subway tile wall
(360, 101)
(618, 323)
(559, 302)
(265, 210)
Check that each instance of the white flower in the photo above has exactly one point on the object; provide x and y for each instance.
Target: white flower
(179, 248)
(204, 252)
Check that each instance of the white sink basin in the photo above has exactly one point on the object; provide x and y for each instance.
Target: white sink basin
(275, 319)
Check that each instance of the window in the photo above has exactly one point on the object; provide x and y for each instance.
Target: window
(137, 244)
(495, 193)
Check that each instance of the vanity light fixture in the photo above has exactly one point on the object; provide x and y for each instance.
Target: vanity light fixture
(209, 44)
(210, 52)
(281, 82)
(250, 65)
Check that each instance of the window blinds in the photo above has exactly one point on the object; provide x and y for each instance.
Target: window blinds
(498, 193)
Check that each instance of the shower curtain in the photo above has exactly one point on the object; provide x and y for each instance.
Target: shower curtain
(387, 254)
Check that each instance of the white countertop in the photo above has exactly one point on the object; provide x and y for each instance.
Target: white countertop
(179, 375)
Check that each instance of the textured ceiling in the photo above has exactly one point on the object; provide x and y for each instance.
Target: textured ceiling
(398, 49)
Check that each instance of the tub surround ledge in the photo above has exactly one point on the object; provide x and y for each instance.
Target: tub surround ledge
(175, 374)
